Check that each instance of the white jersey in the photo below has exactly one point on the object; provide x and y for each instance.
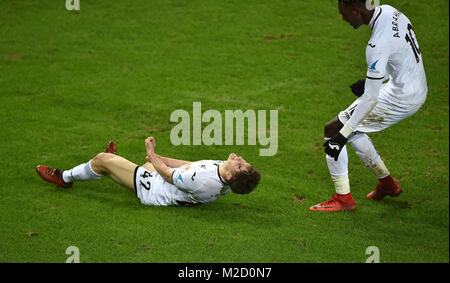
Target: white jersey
(193, 183)
(392, 53)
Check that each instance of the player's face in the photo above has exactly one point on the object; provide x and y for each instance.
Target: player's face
(236, 164)
(350, 14)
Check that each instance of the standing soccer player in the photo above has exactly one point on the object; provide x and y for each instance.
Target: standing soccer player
(392, 54)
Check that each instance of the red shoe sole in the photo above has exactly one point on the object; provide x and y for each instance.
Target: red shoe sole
(333, 209)
(111, 147)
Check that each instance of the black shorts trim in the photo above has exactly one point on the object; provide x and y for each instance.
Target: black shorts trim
(134, 180)
(371, 78)
(171, 177)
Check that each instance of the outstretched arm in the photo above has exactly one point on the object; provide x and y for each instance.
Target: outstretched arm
(157, 162)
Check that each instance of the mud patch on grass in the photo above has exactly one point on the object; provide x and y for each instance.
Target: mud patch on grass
(297, 199)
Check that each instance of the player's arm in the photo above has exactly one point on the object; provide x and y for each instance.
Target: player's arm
(171, 162)
(377, 61)
(359, 86)
(157, 162)
(376, 58)
(367, 102)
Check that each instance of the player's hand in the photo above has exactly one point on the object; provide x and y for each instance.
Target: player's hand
(150, 145)
(335, 145)
(358, 87)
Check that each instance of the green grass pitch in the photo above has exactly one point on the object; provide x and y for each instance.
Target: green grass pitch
(70, 81)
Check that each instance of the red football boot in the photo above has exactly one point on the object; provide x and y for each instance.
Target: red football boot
(52, 175)
(336, 203)
(111, 147)
(386, 187)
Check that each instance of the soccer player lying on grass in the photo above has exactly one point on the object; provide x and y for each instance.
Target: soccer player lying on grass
(392, 53)
(163, 181)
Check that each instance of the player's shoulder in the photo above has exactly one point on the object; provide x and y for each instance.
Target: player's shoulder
(211, 171)
(206, 169)
(385, 13)
(384, 29)
(382, 19)
(208, 164)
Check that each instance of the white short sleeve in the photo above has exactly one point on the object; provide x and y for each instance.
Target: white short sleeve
(186, 179)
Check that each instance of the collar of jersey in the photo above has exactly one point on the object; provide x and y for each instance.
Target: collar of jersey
(220, 178)
(375, 16)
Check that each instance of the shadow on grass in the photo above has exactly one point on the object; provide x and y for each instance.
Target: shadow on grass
(221, 211)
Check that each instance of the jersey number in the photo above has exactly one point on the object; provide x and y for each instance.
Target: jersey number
(146, 186)
(410, 39)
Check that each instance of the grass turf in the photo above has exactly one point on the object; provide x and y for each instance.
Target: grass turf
(72, 80)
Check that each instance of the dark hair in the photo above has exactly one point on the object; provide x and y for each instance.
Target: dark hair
(245, 181)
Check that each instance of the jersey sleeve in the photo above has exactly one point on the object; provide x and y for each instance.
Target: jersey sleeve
(187, 180)
(377, 56)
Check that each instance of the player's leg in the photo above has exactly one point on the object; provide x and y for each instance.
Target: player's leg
(343, 199)
(119, 169)
(384, 115)
(338, 169)
(364, 148)
(366, 151)
(149, 166)
(108, 164)
(66, 178)
(332, 128)
(116, 167)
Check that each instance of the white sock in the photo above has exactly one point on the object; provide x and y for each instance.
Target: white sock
(364, 148)
(339, 171)
(380, 169)
(341, 184)
(82, 172)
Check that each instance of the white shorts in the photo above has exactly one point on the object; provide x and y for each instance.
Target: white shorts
(149, 187)
(382, 116)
